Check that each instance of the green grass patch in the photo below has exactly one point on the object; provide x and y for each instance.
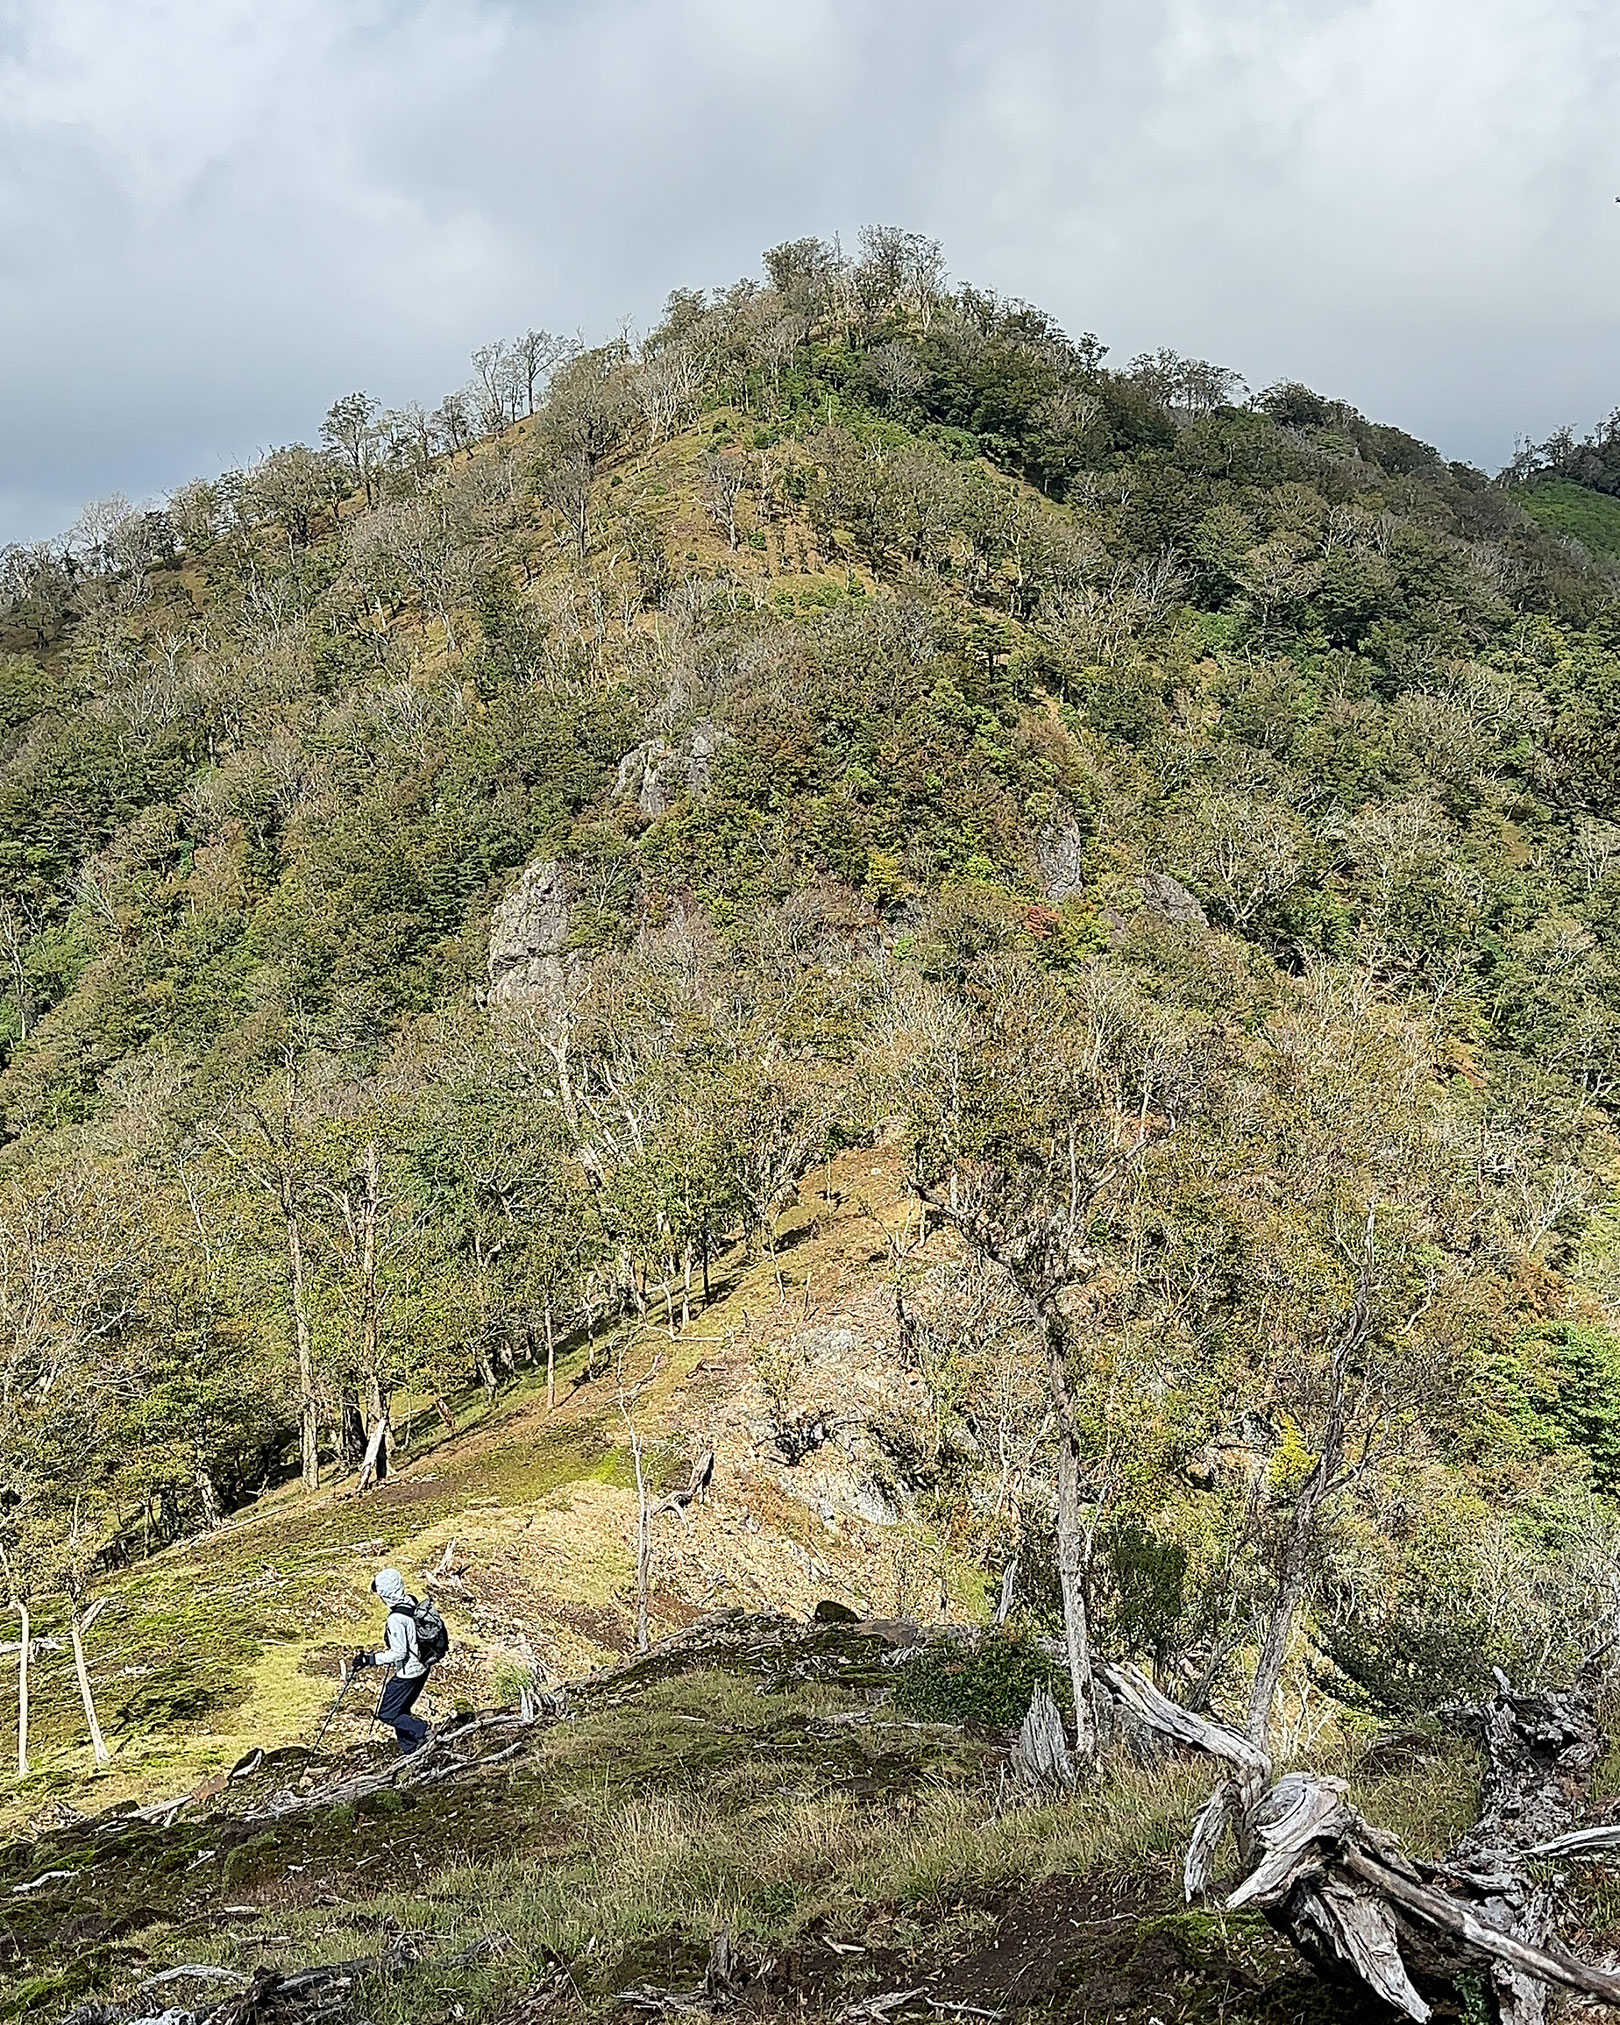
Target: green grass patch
(1575, 511)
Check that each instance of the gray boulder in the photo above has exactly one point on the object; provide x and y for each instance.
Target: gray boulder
(1167, 897)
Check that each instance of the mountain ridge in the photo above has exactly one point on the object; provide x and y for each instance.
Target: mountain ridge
(465, 890)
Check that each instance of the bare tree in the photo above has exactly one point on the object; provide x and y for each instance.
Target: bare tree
(1031, 1103)
(724, 477)
(669, 384)
(628, 1393)
(20, 922)
(500, 384)
(424, 541)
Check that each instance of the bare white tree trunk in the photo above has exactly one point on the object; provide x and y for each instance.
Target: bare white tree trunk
(371, 1207)
(1009, 1577)
(643, 1544)
(309, 1454)
(1041, 1755)
(372, 1463)
(98, 1742)
(628, 1395)
(1071, 1546)
(24, 1653)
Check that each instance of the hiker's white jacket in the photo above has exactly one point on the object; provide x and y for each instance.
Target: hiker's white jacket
(400, 1652)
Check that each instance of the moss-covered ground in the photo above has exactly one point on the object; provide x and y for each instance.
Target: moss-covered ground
(848, 1853)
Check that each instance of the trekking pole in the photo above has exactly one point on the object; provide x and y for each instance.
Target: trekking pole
(348, 1682)
(376, 1712)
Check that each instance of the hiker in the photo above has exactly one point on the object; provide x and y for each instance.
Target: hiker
(417, 1640)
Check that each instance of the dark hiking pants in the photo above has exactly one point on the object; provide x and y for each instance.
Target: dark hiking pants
(398, 1699)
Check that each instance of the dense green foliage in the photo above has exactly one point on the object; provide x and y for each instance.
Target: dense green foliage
(878, 665)
(986, 1680)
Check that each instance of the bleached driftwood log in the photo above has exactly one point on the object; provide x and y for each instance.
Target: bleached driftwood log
(1359, 1907)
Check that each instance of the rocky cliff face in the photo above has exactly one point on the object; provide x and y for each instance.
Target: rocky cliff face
(529, 935)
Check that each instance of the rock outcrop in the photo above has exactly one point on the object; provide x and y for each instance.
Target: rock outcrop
(529, 934)
(1060, 859)
(1168, 898)
(657, 773)
(1151, 893)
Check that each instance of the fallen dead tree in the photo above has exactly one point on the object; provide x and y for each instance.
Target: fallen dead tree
(1359, 1908)
(317, 1996)
(322, 1995)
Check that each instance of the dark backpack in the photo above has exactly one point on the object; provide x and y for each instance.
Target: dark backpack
(432, 1633)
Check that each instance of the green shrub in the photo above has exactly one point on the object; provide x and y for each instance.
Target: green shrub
(989, 1679)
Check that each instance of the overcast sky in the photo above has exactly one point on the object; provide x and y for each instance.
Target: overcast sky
(217, 215)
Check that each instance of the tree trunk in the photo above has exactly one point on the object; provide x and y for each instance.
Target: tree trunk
(643, 1542)
(1293, 1579)
(1293, 1576)
(208, 1497)
(1009, 1577)
(1071, 1545)
(643, 1561)
(643, 1516)
(97, 1741)
(351, 1434)
(370, 1328)
(551, 1361)
(309, 1453)
(1041, 1754)
(374, 1463)
(24, 1654)
(441, 1406)
(1076, 1626)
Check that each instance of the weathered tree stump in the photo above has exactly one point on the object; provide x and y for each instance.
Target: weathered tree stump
(1041, 1755)
(1359, 1908)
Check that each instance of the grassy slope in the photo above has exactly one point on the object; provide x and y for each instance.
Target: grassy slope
(232, 1640)
(1591, 518)
(623, 1838)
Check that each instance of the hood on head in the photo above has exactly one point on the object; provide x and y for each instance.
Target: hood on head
(389, 1585)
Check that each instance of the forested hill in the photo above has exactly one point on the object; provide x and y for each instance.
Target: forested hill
(460, 880)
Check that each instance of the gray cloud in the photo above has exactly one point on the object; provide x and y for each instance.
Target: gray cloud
(216, 215)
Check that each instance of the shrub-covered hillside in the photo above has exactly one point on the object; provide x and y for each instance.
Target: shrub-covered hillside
(458, 882)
